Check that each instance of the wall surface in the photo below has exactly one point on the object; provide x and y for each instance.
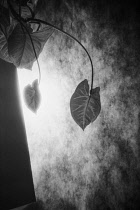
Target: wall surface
(98, 169)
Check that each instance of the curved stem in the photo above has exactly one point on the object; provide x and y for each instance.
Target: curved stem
(32, 13)
(34, 52)
(34, 20)
(55, 27)
(17, 16)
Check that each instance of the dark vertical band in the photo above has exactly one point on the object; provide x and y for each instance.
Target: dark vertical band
(16, 182)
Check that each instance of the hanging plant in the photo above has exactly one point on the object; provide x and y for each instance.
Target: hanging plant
(22, 39)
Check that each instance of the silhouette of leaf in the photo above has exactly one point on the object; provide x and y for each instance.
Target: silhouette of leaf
(20, 46)
(25, 10)
(3, 47)
(4, 3)
(32, 96)
(85, 107)
(4, 16)
(4, 31)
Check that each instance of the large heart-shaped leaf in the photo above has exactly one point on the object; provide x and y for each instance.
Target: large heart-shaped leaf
(32, 96)
(85, 107)
(20, 47)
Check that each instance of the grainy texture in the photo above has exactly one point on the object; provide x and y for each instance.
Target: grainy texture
(98, 169)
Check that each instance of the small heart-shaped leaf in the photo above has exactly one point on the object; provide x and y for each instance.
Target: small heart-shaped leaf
(32, 96)
(85, 107)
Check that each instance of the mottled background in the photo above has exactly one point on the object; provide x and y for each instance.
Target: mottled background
(98, 169)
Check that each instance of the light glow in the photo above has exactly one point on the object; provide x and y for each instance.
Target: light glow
(51, 113)
(51, 93)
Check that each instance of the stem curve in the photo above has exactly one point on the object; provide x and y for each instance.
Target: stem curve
(55, 27)
(34, 20)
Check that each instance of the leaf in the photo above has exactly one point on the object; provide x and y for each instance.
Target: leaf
(32, 96)
(4, 23)
(4, 47)
(4, 17)
(20, 46)
(25, 10)
(6, 27)
(4, 3)
(85, 107)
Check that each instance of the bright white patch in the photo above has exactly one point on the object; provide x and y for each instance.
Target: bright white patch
(46, 130)
(51, 111)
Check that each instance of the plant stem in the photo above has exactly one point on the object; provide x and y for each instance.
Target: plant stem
(55, 27)
(34, 51)
(34, 20)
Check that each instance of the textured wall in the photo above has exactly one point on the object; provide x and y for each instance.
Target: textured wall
(98, 168)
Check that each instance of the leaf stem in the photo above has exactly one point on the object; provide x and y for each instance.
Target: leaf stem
(34, 52)
(34, 20)
(55, 27)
